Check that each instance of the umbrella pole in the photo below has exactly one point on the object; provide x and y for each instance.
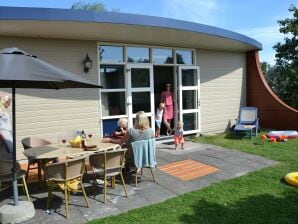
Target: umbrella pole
(14, 171)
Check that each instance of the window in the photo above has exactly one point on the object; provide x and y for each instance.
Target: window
(137, 55)
(184, 57)
(113, 103)
(110, 54)
(162, 56)
(112, 76)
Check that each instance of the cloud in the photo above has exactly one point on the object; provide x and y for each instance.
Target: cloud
(268, 36)
(200, 11)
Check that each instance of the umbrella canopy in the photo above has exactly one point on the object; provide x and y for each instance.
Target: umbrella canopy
(27, 71)
(21, 70)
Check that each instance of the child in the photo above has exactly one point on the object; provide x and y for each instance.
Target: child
(178, 135)
(122, 128)
(158, 119)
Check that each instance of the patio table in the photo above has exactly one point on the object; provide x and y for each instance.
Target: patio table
(60, 150)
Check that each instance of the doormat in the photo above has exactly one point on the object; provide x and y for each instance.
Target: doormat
(187, 169)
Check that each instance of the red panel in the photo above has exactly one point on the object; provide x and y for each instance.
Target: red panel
(272, 111)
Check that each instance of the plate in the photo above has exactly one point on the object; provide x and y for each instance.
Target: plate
(90, 148)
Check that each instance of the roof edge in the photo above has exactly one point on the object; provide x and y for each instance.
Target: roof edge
(53, 14)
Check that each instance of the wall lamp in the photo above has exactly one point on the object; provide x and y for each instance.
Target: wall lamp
(87, 64)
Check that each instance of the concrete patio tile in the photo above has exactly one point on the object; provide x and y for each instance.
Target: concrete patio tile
(154, 192)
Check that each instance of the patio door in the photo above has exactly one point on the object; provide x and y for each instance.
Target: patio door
(189, 98)
(140, 91)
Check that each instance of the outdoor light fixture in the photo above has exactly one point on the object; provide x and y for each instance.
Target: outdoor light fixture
(87, 64)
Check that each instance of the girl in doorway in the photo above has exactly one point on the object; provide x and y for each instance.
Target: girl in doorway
(178, 135)
(167, 97)
(158, 119)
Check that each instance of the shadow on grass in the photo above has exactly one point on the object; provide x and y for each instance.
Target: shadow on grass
(232, 135)
(257, 209)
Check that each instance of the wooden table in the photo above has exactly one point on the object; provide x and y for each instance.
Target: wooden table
(59, 150)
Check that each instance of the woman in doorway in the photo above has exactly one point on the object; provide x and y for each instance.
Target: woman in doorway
(5, 125)
(167, 97)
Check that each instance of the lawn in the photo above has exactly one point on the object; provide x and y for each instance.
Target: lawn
(259, 197)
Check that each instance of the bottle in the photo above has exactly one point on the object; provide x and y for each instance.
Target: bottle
(84, 138)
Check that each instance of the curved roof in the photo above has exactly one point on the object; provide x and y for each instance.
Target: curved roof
(14, 20)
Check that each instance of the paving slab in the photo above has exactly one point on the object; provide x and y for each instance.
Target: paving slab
(231, 164)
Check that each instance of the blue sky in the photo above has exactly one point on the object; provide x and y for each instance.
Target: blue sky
(254, 18)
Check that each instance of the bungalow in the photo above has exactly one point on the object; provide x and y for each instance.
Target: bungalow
(133, 57)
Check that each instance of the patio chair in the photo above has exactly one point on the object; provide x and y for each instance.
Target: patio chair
(108, 164)
(6, 177)
(31, 142)
(248, 121)
(144, 156)
(67, 176)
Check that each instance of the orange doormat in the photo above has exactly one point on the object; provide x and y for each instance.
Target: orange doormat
(187, 169)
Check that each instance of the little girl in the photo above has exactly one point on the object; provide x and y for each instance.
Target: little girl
(178, 135)
(158, 118)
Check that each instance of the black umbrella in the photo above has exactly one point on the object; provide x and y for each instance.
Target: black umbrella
(21, 70)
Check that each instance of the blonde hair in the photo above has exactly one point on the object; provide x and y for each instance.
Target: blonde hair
(162, 105)
(3, 100)
(141, 121)
(122, 120)
(181, 123)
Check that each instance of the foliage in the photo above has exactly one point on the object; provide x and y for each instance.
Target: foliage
(94, 6)
(285, 81)
(259, 197)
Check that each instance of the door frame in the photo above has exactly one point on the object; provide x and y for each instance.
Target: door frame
(180, 88)
(131, 90)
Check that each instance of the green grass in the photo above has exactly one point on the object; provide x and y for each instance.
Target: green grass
(259, 197)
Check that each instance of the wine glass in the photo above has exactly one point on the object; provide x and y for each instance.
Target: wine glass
(62, 139)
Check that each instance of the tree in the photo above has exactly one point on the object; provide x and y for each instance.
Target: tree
(94, 6)
(285, 82)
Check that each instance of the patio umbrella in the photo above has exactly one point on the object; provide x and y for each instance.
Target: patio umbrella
(21, 70)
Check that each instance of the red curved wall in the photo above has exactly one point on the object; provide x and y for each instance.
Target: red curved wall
(273, 112)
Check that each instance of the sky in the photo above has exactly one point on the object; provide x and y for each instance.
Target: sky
(254, 18)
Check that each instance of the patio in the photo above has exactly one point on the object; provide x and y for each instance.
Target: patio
(230, 164)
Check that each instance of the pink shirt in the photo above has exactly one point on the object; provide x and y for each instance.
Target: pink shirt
(167, 98)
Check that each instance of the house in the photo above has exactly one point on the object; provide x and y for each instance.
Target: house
(133, 56)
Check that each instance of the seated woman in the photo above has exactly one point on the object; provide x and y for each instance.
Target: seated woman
(140, 131)
(122, 128)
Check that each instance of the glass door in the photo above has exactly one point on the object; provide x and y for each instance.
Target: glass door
(140, 91)
(189, 98)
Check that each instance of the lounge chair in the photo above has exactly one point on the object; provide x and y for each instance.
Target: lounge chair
(248, 121)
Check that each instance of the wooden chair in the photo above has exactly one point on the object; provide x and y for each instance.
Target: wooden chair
(144, 156)
(6, 177)
(31, 142)
(66, 175)
(108, 164)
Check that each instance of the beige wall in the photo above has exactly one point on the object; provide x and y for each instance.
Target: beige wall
(49, 113)
(223, 88)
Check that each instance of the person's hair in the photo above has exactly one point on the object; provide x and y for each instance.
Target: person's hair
(122, 120)
(141, 121)
(4, 99)
(181, 123)
(162, 105)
